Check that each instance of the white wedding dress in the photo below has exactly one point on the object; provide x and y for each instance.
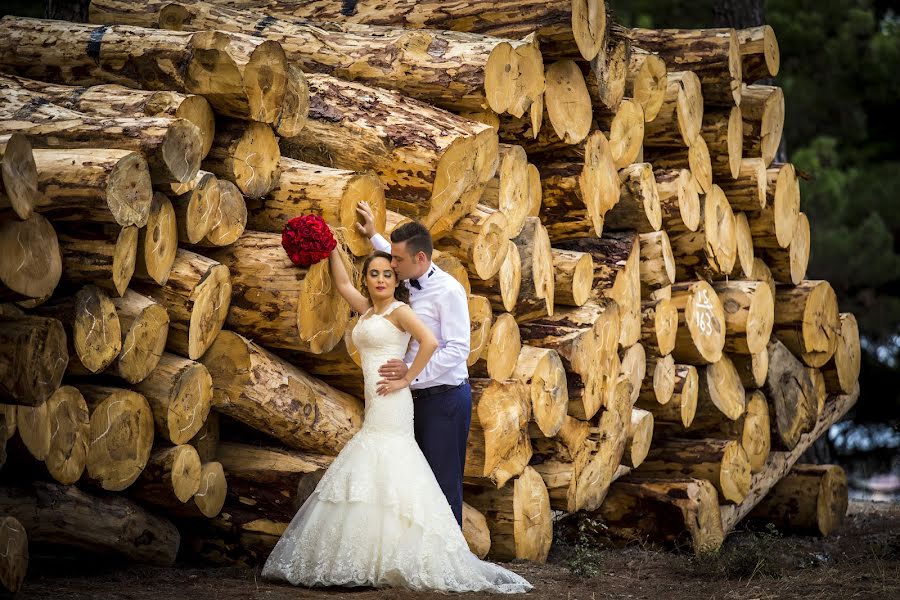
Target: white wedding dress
(378, 516)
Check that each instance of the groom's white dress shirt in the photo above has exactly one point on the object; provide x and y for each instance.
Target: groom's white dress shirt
(443, 306)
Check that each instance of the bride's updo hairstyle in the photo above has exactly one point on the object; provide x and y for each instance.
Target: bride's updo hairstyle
(401, 292)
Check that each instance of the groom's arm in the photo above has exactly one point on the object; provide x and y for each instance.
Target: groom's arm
(380, 244)
(454, 342)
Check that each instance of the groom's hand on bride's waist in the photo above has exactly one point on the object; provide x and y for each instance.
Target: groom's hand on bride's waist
(393, 370)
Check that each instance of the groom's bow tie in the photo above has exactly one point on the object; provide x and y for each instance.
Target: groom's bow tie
(415, 283)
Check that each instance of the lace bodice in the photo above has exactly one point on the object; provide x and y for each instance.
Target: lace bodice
(378, 340)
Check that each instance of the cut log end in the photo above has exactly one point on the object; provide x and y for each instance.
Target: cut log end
(210, 498)
(231, 217)
(701, 320)
(35, 356)
(504, 348)
(18, 175)
(589, 26)
(96, 331)
(212, 297)
(160, 240)
(626, 133)
(30, 260)
(68, 415)
(842, 371)
(181, 151)
(649, 86)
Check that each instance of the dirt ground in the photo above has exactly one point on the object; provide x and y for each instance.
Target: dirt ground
(860, 561)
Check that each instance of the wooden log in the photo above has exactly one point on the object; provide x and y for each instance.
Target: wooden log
(807, 321)
(723, 132)
(245, 153)
(616, 276)
(760, 56)
(573, 277)
(792, 396)
(746, 254)
(209, 500)
(762, 110)
(657, 264)
(576, 195)
(112, 100)
(144, 324)
(503, 288)
(33, 426)
(701, 323)
(480, 322)
(518, 516)
(723, 462)
(670, 511)
(625, 129)
(197, 208)
(783, 196)
(111, 525)
(819, 391)
(270, 395)
(536, 291)
(206, 441)
(761, 272)
(694, 157)
(713, 54)
(197, 296)
(278, 303)
(505, 75)
(435, 176)
(241, 76)
(752, 368)
(503, 349)
(478, 240)
(18, 175)
(610, 67)
(68, 423)
(633, 367)
(14, 561)
(810, 499)
(7, 428)
(638, 207)
(646, 81)
(747, 190)
(333, 194)
(171, 477)
(720, 392)
(712, 250)
(158, 242)
(543, 371)
(475, 530)
(659, 382)
(121, 436)
(638, 438)
(749, 315)
(679, 199)
(566, 28)
(509, 190)
(272, 480)
(680, 116)
(102, 254)
(33, 359)
(841, 372)
(30, 260)
(170, 146)
(659, 326)
(498, 447)
(230, 219)
(567, 102)
(179, 392)
(788, 265)
(92, 326)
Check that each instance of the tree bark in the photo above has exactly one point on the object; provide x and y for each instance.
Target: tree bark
(723, 132)
(638, 207)
(762, 111)
(573, 277)
(679, 199)
(749, 315)
(14, 562)
(810, 498)
(807, 321)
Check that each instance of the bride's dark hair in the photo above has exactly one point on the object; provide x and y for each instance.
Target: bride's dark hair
(401, 292)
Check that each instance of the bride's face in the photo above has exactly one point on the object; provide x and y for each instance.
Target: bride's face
(381, 280)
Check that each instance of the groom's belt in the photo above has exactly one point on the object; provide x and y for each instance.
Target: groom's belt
(435, 390)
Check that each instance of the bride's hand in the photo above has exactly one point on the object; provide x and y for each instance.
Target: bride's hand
(389, 386)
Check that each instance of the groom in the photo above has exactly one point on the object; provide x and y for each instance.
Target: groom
(442, 398)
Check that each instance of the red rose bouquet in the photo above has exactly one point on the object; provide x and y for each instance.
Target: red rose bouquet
(307, 240)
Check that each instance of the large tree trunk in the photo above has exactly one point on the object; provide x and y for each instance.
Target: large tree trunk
(196, 207)
(269, 394)
(679, 199)
(537, 284)
(33, 359)
(18, 175)
(810, 498)
(509, 190)
(436, 175)
(723, 132)
(113, 100)
(121, 436)
(241, 76)
(333, 194)
(638, 207)
(566, 27)
(30, 260)
(749, 315)
(518, 516)
(64, 515)
(197, 296)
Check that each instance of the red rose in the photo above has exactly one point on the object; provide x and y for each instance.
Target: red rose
(307, 240)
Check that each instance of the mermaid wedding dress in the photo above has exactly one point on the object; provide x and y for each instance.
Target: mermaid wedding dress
(378, 516)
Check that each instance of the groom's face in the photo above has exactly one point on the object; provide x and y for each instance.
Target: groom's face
(407, 266)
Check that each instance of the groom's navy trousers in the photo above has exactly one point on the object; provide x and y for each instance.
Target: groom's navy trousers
(441, 421)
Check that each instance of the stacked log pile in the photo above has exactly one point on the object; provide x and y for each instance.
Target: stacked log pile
(646, 349)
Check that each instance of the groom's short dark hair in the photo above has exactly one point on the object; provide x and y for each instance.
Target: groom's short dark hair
(416, 236)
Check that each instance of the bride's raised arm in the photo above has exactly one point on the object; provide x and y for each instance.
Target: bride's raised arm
(345, 287)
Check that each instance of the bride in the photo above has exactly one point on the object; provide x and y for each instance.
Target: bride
(378, 516)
